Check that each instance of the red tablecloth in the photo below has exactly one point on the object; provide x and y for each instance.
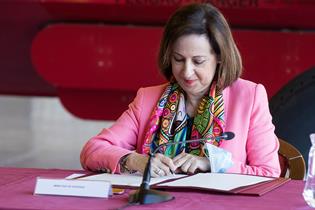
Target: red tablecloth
(17, 187)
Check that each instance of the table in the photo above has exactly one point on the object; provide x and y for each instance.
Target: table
(17, 187)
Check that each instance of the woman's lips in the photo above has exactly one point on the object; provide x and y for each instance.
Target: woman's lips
(189, 82)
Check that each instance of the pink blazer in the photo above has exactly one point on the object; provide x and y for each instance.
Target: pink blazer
(254, 148)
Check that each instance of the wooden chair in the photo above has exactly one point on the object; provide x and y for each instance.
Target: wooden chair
(291, 161)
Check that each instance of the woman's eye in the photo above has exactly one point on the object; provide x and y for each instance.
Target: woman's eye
(178, 59)
(198, 62)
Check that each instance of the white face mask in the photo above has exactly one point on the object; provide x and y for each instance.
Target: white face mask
(220, 159)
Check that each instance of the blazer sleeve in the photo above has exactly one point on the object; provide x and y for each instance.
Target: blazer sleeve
(262, 144)
(103, 152)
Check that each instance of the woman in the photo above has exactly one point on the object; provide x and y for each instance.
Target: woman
(203, 98)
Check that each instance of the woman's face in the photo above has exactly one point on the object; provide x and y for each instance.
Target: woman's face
(193, 64)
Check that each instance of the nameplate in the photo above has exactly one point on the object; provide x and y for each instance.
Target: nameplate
(68, 187)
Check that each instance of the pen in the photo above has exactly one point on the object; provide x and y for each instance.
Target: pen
(84, 175)
(172, 172)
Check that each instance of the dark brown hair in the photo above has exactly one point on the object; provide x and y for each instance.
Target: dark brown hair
(202, 19)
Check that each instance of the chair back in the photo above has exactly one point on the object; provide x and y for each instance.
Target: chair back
(292, 107)
(291, 161)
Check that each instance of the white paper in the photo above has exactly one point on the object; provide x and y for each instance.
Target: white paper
(132, 180)
(73, 176)
(74, 187)
(218, 181)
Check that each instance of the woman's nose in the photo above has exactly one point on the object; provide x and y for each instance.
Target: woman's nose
(188, 69)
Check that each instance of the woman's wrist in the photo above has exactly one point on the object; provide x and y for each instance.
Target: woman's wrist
(136, 162)
(125, 166)
(206, 164)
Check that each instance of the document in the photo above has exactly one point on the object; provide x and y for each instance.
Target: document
(128, 180)
(227, 183)
(218, 182)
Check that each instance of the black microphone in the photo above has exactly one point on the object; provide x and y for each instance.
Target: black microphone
(145, 195)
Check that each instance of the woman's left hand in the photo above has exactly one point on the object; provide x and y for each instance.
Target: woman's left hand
(190, 164)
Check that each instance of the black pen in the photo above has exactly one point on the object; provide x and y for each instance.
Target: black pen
(172, 172)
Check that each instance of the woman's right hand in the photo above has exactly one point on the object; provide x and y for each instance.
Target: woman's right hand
(160, 164)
